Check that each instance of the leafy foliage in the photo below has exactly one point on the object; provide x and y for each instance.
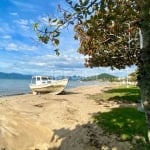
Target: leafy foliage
(108, 37)
(133, 76)
(107, 30)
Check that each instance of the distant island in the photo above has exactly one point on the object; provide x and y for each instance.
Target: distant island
(14, 76)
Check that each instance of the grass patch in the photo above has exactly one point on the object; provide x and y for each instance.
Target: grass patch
(127, 122)
(120, 94)
(123, 121)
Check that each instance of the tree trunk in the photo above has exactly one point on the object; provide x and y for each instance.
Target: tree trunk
(144, 81)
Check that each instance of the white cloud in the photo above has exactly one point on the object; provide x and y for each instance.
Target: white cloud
(49, 64)
(13, 14)
(10, 46)
(23, 24)
(20, 27)
(25, 6)
(5, 37)
(62, 61)
(43, 20)
(5, 28)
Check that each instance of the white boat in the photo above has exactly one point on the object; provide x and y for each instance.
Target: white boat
(44, 84)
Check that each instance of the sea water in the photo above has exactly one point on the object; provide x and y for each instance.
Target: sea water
(14, 86)
(21, 86)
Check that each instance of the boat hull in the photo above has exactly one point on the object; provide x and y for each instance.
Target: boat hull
(55, 87)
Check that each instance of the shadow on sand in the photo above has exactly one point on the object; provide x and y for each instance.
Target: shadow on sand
(68, 93)
(86, 137)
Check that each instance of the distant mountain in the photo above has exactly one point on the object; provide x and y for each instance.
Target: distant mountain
(106, 76)
(14, 76)
(103, 77)
(22, 76)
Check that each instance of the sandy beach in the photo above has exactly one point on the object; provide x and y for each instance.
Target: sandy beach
(55, 122)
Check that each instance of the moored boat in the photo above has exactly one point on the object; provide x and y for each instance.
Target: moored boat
(44, 84)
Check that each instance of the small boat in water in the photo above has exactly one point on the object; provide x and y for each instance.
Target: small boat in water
(44, 84)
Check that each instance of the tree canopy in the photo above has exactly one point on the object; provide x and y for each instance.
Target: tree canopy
(107, 31)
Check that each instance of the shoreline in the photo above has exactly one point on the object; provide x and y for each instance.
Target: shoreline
(1, 96)
(67, 88)
(48, 122)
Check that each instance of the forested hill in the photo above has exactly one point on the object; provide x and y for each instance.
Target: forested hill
(14, 76)
(106, 76)
(103, 77)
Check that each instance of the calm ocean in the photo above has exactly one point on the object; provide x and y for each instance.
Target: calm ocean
(16, 86)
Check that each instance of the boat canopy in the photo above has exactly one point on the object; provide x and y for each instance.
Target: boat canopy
(40, 80)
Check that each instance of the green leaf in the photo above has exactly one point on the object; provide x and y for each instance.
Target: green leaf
(45, 30)
(80, 2)
(60, 23)
(69, 2)
(68, 16)
(77, 7)
(71, 22)
(54, 20)
(56, 33)
(56, 42)
(57, 52)
(85, 2)
(44, 39)
(35, 26)
(49, 19)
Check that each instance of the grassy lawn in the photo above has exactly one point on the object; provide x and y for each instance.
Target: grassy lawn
(126, 122)
(120, 94)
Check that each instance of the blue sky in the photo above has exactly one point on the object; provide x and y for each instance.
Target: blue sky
(19, 52)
